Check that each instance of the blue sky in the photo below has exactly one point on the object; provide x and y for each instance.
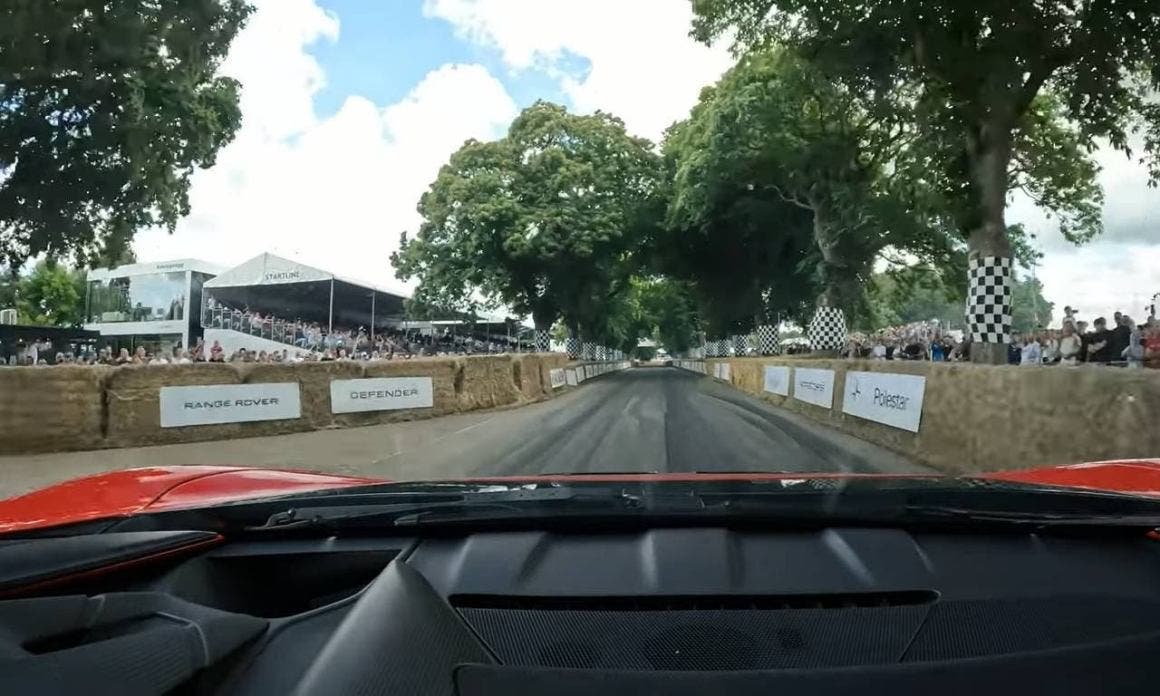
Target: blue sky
(385, 48)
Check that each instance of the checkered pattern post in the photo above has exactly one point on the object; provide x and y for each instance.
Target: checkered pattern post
(741, 345)
(543, 341)
(720, 348)
(601, 353)
(767, 339)
(588, 350)
(989, 299)
(572, 345)
(828, 329)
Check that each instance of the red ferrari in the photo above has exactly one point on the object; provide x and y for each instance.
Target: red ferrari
(197, 580)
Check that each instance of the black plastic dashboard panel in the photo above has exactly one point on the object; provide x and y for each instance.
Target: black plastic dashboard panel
(28, 561)
(673, 611)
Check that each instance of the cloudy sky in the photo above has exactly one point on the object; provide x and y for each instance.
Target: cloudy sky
(351, 106)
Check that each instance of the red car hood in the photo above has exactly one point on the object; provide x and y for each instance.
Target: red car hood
(153, 489)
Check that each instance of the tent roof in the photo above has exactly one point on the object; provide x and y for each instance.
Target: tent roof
(270, 269)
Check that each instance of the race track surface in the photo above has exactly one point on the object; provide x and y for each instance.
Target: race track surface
(659, 420)
(638, 420)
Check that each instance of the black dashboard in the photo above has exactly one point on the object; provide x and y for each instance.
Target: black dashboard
(667, 611)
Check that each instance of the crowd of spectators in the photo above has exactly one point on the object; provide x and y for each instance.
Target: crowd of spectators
(1122, 343)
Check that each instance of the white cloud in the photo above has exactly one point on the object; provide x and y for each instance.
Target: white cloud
(333, 192)
(644, 68)
(1119, 270)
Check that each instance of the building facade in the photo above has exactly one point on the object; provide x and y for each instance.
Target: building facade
(154, 305)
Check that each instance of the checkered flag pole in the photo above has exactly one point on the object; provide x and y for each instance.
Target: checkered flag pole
(543, 341)
(601, 353)
(989, 299)
(767, 339)
(588, 350)
(572, 345)
(740, 345)
(827, 329)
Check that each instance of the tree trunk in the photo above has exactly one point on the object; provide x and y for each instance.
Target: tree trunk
(989, 155)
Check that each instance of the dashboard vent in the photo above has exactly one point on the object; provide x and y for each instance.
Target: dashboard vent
(701, 602)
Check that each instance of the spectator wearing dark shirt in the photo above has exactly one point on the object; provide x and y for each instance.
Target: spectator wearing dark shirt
(1015, 350)
(1121, 336)
(1099, 343)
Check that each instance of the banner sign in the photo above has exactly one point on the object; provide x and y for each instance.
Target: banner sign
(889, 398)
(814, 386)
(777, 379)
(557, 377)
(570, 377)
(380, 394)
(213, 404)
(724, 371)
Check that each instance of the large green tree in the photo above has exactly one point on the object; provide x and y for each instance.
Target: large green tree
(543, 220)
(106, 110)
(775, 136)
(1008, 92)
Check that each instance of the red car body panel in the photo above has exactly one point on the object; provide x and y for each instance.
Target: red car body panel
(153, 489)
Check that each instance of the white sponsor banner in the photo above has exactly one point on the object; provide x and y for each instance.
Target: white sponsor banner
(212, 404)
(777, 379)
(724, 371)
(814, 386)
(380, 394)
(557, 377)
(570, 377)
(885, 397)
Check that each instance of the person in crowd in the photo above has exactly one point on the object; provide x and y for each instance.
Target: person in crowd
(158, 359)
(1070, 346)
(1121, 336)
(937, 352)
(123, 357)
(1050, 346)
(1015, 349)
(1099, 343)
(1134, 353)
(1152, 345)
(262, 357)
(1031, 353)
(1069, 317)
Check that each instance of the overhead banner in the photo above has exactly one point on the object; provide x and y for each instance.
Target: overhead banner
(570, 377)
(889, 398)
(380, 394)
(557, 377)
(814, 386)
(213, 404)
(777, 379)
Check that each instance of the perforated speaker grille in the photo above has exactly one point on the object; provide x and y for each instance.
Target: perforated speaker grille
(750, 639)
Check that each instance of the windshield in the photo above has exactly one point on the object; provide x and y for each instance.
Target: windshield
(340, 242)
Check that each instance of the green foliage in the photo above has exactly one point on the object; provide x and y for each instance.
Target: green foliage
(106, 109)
(1010, 93)
(51, 295)
(542, 221)
(915, 293)
(1030, 311)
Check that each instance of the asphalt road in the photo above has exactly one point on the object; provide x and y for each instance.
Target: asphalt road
(638, 420)
(662, 420)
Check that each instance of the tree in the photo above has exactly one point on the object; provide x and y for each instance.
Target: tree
(106, 109)
(994, 78)
(1030, 311)
(542, 221)
(774, 136)
(51, 295)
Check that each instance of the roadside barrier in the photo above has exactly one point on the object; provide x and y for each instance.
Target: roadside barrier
(57, 408)
(963, 418)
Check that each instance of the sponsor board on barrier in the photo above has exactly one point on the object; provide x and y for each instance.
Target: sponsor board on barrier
(885, 397)
(556, 375)
(570, 377)
(724, 372)
(814, 386)
(380, 394)
(212, 404)
(777, 379)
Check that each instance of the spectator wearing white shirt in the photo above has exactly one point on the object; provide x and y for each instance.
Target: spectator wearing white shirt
(1070, 346)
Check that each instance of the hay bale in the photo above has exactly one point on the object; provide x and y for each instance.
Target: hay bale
(314, 389)
(134, 413)
(47, 409)
(488, 381)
